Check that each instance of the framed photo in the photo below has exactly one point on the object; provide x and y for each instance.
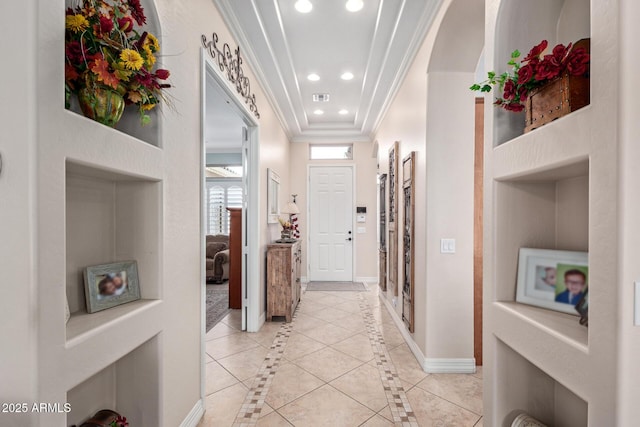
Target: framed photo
(551, 279)
(109, 285)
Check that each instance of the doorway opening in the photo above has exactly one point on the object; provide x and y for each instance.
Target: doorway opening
(229, 201)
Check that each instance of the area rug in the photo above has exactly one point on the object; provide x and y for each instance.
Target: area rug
(217, 303)
(336, 286)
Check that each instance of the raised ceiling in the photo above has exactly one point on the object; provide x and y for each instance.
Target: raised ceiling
(284, 46)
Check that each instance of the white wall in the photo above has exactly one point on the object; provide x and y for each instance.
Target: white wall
(17, 192)
(432, 114)
(629, 174)
(365, 193)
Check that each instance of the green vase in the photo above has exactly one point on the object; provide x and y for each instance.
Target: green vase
(101, 104)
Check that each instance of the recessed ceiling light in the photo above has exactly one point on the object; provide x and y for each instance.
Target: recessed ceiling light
(346, 76)
(318, 112)
(343, 112)
(304, 6)
(313, 77)
(354, 5)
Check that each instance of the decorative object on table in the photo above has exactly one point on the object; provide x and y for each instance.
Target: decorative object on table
(106, 418)
(552, 279)
(582, 307)
(273, 193)
(109, 63)
(290, 232)
(408, 247)
(392, 277)
(109, 285)
(545, 87)
(286, 232)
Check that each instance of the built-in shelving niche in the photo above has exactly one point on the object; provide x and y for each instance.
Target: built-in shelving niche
(129, 386)
(523, 387)
(110, 216)
(522, 25)
(548, 209)
(130, 122)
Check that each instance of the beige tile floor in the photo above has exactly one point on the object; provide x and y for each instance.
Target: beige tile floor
(328, 375)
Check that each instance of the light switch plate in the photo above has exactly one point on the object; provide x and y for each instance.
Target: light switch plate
(447, 246)
(636, 309)
(361, 230)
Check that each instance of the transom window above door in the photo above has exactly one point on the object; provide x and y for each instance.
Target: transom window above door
(330, 152)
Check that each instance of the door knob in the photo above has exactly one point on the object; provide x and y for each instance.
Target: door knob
(349, 239)
(349, 231)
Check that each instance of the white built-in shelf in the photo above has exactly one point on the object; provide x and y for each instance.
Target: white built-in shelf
(559, 328)
(108, 153)
(552, 146)
(83, 326)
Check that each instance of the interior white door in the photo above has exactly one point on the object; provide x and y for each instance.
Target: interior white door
(331, 223)
(245, 228)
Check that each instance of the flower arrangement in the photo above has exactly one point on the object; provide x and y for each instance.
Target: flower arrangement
(104, 49)
(532, 72)
(286, 225)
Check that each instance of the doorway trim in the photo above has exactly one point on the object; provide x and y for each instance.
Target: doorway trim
(250, 294)
(354, 191)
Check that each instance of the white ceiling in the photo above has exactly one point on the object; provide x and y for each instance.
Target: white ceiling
(283, 46)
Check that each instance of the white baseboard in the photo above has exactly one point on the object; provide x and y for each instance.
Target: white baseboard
(403, 330)
(431, 365)
(194, 416)
(450, 366)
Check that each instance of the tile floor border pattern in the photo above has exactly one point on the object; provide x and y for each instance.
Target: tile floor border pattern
(399, 404)
(249, 412)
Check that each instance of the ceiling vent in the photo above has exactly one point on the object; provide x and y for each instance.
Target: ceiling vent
(320, 97)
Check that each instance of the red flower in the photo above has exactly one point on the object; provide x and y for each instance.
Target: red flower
(121, 421)
(106, 24)
(577, 61)
(547, 69)
(125, 24)
(137, 12)
(162, 74)
(509, 90)
(513, 106)
(74, 52)
(534, 54)
(525, 74)
(560, 52)
(147, 79)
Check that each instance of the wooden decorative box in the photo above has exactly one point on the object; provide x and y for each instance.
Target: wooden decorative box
(557, 98)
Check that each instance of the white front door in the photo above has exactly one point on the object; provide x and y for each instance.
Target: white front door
(330, 223)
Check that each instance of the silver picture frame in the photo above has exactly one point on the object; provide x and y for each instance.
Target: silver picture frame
(110, 285)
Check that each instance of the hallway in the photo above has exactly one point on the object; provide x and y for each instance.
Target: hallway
(343, 362)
